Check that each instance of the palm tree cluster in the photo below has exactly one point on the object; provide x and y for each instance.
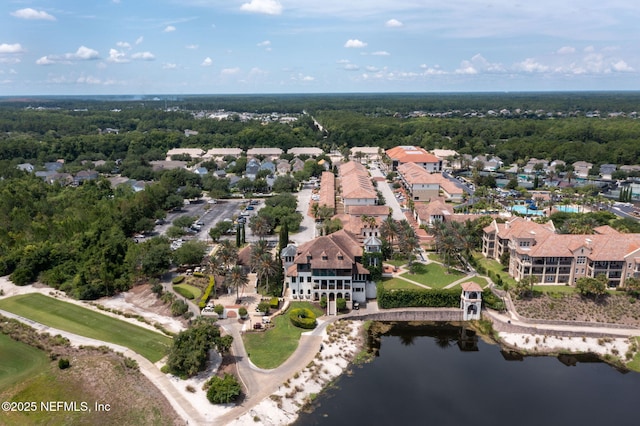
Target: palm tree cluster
(225, 263)
(453, 241)
(399, 235)
(263, 263)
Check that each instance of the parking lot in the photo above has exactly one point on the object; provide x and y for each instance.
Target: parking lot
(208, 215)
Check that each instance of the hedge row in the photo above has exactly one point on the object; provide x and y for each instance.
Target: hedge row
(303, 318)
(178, 279)
(492, 301)
(274, 302)
(205, 296)
(183, 292)
(446, 298)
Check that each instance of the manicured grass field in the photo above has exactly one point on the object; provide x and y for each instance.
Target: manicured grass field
(269, 349)
(496, 267)
(76, 319)
(433, 275)
(565, 289)
(397, 284)
(396, 263)
(19, 361)
(188, 291)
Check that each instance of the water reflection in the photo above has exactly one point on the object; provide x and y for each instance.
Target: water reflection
(444, 374)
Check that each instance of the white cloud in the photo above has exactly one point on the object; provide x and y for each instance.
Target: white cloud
(191, 46)
(589, 49)
(566, 50)
(230, 71)
(268, 7)
(435, 70)
(207, 62)
(343, 61)
(265, 43)
(139, 40)
(381, 53)
(393, 23)
(117, 56)
(307, 78)
(622, 66)
(33, 14)
(355, 43)
(351, 67)
(143, 56)
(169, 29)
(11, 48)
(169, 66)
(371, 68)
(83, 52)
(45, 60)
(123, 44)
(88, 80)
(478, 64)
(531, 65)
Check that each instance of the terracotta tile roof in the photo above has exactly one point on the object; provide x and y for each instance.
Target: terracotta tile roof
(334, 251)
(413, 174)
(356, 182)
(471, 286)
(411, 154)
(369, 210)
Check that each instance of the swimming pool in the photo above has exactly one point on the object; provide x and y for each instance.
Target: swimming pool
(567, 209)
(522, 209)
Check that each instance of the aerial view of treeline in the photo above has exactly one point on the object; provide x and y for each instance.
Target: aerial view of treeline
(79, 238)
(597, 127)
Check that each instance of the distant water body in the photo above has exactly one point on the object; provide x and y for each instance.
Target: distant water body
(443, 375)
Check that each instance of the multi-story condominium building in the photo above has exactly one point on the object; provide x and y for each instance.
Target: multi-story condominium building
(423, 185)
(537, 250)
(357, 189)
(329, 266)
(413, 154)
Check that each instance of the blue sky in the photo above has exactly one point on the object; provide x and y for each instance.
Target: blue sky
(79, 47)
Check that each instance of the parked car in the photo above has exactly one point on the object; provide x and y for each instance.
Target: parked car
(250, 207)
(356, 306)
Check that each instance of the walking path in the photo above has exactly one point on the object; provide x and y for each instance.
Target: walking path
(159, 379)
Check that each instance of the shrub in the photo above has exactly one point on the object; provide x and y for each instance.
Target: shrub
(492, 301)
(274, 303)
(341, 304)
(178, 279)
(223, 390)
(264, 307)
(157, 289)
(303, 318)
(207, 292)
(446, 298)
(178, 308)
(63, 363)
(218, 309)
(323, 302)
(198, 274)
(242, 311)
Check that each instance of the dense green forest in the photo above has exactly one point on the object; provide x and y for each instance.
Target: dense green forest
(78, 239)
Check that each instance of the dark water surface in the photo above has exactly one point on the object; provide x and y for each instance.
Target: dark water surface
(432, 376)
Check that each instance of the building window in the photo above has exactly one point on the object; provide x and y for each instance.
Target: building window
(293, 279)
(308, 279)
(293, 291)
(581, 260)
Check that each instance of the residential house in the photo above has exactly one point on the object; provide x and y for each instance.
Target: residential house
(581, 169)
(531, 165)
(84, 175)
(306, 150)
(194, 153)
(537, 250)
(607, 170)
(329, 266)
(365, 153)
(297, 165)
(220, 153)
(26, 167)
(283, 167)
(252, 169)
(268, 165)
(413, 154)
(266, 153)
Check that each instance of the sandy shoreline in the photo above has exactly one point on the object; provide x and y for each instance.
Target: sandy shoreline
(341, 342)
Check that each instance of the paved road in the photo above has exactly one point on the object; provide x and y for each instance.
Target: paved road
(389, 196)
(307, 230)
(261, 383)
(159, 379)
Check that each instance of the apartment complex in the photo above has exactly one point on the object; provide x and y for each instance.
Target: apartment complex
(357, 189)
(537, 250)
(413, 154)
(423, 185)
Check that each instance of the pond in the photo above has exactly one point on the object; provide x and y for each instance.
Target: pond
(445, 375)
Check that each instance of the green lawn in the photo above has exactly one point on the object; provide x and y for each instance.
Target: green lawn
(496, 267)
(433, 275)
(555, 289)
(397, 283)
(76, 319)
(271, 348)
(18, 361)
(188, 291)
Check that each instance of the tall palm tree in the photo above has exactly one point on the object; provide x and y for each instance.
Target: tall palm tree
(266, 266)
(228, 254)
(258, 249)
(389, 230)
(260, 226)
(408, 241)
(237, 278)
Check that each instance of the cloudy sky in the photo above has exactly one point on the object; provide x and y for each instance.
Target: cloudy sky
(316, 46)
